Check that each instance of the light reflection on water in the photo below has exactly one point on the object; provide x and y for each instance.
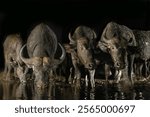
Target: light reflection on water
(57, 90)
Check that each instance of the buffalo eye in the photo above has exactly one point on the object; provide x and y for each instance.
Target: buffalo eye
(112, 48)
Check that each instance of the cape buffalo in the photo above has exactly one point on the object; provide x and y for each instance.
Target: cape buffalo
(117, 40)
(41, 47)
(142, 52)
(81, 50)
(12, 46)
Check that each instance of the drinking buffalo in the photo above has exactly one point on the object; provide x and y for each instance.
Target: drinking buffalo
(142, 54)
(81, 50)
(117, 40)
(12, 46)
(41, 47)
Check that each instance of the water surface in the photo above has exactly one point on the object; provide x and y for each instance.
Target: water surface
(58, 90)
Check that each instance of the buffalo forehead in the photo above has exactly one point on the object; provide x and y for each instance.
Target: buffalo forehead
(42, 41)
(83, 40)
(83, 31)
(116, 30)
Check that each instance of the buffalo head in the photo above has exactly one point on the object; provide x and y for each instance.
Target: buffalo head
(41, 46)
(82, 42)
(115, 40)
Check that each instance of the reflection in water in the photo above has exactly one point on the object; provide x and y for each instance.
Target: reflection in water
(57, 90)
(21, 92)
(8, 89)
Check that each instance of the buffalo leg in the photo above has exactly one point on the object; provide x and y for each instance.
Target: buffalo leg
(140, 71)
(130, 68)
(86, 80)
(77, 75)
(8, 72)
(70, 76)
(92, 74)
(146, 68)
(107, 71)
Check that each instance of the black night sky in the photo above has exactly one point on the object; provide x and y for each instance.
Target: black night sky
(19, 16)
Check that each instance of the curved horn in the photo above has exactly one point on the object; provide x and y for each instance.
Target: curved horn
(70, 38)
(27, 61)
(105, 37)
(63, 54)
(94, 35)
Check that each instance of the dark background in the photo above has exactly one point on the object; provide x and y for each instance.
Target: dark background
(64, 15)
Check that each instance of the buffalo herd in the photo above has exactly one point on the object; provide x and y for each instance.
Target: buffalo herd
(120, 52)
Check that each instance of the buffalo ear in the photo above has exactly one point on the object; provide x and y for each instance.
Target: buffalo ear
(69, 48)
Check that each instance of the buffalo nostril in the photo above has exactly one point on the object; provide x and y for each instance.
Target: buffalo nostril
(118, 64)
(91, 65)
